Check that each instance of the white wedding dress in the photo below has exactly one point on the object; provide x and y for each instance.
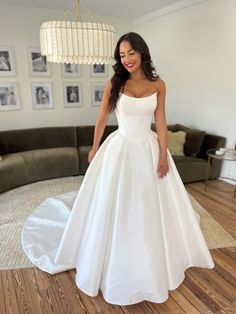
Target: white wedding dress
(130, 233)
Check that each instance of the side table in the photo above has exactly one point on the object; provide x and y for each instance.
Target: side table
(229, 155)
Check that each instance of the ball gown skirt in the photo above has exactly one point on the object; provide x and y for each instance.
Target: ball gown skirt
(127, 232)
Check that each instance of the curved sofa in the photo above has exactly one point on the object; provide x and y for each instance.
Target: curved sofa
(31, 155)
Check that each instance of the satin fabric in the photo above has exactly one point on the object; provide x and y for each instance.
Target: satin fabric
(127, 231)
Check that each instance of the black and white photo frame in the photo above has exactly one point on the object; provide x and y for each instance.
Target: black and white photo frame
(72, 93)
(9, 96)
(97, 89)
(98, 70)
(71, 70)
(42, 97)
(38, 65)
(7, 61)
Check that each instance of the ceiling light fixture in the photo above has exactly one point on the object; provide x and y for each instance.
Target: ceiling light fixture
(77, 42)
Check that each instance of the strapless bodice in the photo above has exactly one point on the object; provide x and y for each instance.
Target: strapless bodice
(134, 116)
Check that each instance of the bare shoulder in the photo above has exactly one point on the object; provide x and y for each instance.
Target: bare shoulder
(160, 85)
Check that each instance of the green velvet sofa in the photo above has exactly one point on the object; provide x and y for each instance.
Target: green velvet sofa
(192, 166)
(31, 155)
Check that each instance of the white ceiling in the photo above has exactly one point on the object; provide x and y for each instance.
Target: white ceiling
(128, 9)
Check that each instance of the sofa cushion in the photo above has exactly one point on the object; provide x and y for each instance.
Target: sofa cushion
(191, 169)
(85, 134)
(194, 142)
(107, 131)
(31, 166)
(176, 141)
(83, 158)
(3, 149)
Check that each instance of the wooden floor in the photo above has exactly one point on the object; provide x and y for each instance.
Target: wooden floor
(202, 291)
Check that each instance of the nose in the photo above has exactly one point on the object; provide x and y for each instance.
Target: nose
(126, 59)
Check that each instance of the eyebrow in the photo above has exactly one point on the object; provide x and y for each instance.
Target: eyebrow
(128, 51)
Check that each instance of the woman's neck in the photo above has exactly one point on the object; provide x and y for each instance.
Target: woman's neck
(137, 76)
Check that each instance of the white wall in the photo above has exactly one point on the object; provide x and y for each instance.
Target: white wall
(19, 27)
(194, 50)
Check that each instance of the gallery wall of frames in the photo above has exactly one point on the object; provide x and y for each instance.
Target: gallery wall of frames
(41, 91)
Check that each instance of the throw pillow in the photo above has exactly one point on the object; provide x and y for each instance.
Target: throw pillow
(176, 142)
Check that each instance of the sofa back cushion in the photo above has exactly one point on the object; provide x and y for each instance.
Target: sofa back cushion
(108, 130)
(194, 140)
(85, 134)
(14, 141)
(3, 147)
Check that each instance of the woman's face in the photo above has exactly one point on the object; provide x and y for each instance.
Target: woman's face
(130, 58)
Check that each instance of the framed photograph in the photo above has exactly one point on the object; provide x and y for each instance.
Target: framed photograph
(7, 62)
(42, 95)
(9, 96)
(72, 94)
(38, 65)
(98, 70)
(71, 70)
(97, 93)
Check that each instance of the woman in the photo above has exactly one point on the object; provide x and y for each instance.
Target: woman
(132, 231)
(134, 75)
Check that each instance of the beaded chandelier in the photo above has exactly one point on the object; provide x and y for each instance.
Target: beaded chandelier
(77, 42)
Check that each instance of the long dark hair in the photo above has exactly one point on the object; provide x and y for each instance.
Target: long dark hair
(121, 75)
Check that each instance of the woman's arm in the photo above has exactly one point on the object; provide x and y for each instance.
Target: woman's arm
(161, 128)
(101, 121)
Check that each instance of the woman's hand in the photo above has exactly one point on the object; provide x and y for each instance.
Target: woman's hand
(91, 154)
(162, 167)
